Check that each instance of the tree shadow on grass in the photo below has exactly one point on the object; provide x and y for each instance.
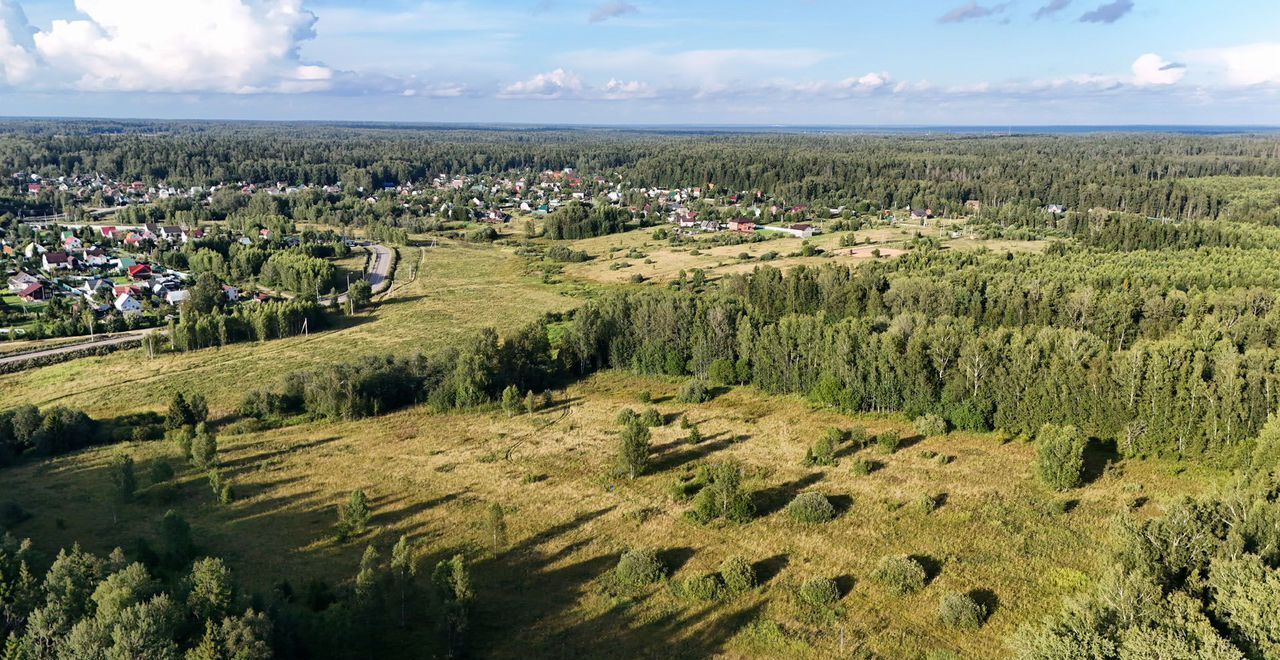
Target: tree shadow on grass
(674, 459)
(674, 559)
(932, 567)
(1098, 456)
(771, 500)
(845, 584)
(841, 503)
(769, 568)
(252, 459)
(988, 599)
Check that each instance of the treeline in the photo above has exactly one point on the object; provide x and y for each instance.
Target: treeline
(1169, 397)
(277, 319)
(576, 220)
(838, 336)
(1144, 174)
(1127, 232)
(473, 374)
(46, 432)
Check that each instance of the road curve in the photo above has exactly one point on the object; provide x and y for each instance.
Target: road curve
(379, 270)
(104, 340)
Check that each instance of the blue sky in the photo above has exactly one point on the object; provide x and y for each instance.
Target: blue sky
(647, 61)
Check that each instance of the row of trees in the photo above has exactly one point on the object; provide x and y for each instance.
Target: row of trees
(277, 319)
(576, 220)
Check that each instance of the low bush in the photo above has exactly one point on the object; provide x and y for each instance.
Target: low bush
(889, 441)
(901, 575)
(694, 391)
(961, 611)
(818, 593)
(811, 508)
(863, 467)
(651, 418)
(704, 587)
(931, 425)
(738, 575)
(638, 568)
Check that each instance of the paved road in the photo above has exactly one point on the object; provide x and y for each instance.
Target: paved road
(104, 340)
(379, 270)
(378, 273)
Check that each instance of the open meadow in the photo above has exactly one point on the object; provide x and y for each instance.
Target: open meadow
(992, 529)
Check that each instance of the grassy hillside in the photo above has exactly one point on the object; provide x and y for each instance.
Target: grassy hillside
(440, 294)
(431, 476)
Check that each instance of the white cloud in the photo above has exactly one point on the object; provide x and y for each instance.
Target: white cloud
(617, 90)
(550, 85)
(1250, 64)
(17, 63)
(229, 46)
(1151, 69)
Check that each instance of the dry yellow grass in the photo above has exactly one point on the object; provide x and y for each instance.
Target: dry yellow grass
(431, 476)
(662, 262)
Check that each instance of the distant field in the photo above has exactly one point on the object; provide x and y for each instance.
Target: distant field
(662, 262)
(458, 289)
(431, 477)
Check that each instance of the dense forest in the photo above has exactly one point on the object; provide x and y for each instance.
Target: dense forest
(1143, 174)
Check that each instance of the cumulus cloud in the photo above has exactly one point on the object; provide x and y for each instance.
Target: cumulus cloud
(550, 85)
(1051, 9)
(972, 11)
(1108, 13)
(1151, 69)
(17, 61)
(610, 10)
(228, 46)
(1250, 64)
(617, 90)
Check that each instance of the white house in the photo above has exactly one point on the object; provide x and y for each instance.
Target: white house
(176, 298)
(127, 304)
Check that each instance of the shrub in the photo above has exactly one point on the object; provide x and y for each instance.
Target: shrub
(960, 611)
(722, 496)
(651, 418)
(863, 467)
(645, 396)
(821, 453)
(856, 436)
(811, 508)
(738, 576)
(888, 441)
(694, 391)
(901, 575)
(626, 417)
(1060, 456)
(705, 587)
(204, 448)
(181, 438)
(639, 568)
(931, 425)
(927, 503)
(818, 593)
